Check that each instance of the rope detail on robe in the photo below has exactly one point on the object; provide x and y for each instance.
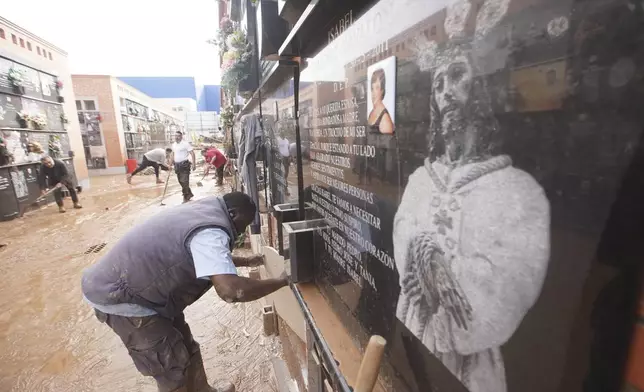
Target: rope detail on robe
(479, 170)
(417, 292)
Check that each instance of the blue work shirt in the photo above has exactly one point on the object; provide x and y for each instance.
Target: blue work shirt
(210, 255)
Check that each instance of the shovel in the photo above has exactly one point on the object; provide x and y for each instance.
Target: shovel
(200, 183)
(166, 187)
(23, 209)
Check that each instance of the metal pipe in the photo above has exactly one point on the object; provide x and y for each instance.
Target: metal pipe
(339, 381)
(298, 142)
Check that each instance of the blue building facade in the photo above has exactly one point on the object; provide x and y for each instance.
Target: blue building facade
(208, 97)
(211, 99)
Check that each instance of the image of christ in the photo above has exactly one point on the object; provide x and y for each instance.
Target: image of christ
(472, 233)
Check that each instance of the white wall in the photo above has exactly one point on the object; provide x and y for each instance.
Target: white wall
(186, 104)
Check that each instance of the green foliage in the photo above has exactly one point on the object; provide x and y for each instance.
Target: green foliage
(240, 240)
(228, 117)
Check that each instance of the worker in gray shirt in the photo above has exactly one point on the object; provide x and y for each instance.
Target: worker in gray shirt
(157, 158)
(142, 285)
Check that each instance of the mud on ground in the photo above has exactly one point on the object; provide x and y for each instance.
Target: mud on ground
(49, 338)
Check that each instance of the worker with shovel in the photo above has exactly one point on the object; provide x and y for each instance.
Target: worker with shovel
(215, 158)
(54, 174)
(156, 158)
(141, 287)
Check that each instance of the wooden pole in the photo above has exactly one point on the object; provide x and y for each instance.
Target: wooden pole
(370, 365)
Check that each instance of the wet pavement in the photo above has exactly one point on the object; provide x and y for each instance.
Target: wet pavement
(49, 338)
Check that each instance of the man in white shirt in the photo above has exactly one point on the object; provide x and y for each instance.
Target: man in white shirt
(157, 158)
(283, 146)
(181, 152)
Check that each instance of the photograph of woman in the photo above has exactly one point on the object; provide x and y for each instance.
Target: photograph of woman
(381, 96)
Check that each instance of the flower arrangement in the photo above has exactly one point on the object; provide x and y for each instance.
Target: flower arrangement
(55, 147)
(236, 40)
(59, 84)
(99, 118)
(229, 60)
(16, 77)
(235, 52)
(39, 121)
(226, 25)
(24, 118)
(235, 60)
(35, 147)
(24, 115)
(64, 119)
(228, 117)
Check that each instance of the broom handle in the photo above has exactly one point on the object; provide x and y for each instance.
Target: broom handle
(370, 365)
(49, 192)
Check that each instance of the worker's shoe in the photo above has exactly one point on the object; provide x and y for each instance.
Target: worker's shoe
(159, 181)
(197, 380)
(128, 178)
(61, 209)
(78, 206)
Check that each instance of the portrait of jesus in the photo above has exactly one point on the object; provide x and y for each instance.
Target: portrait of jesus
(472, 232)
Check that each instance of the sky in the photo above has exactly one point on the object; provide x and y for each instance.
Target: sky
(126, 37)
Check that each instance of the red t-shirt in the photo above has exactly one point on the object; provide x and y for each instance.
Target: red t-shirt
(220, 159)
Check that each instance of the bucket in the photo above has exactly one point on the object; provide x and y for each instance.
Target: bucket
(131, 165)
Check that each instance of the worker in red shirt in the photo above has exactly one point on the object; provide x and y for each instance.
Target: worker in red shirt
(215, 158)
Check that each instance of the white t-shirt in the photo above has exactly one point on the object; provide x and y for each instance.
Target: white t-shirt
(181, 151)
(283, 145)
(157, 155)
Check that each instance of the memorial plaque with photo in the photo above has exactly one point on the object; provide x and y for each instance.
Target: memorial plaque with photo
(58, 145)
(276, 172)
(31, 80)
(35, 108)
(40, 138)
(48, 84)
(30, 173)
(5, 85)
(54, 121)
(24, 139)
(19, 182)
(8, 204)
(10, 106)
(482, 234)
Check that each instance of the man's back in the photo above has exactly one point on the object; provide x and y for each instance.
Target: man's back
(219, 158)
(157, 155)
(151, 265)
(55, 173)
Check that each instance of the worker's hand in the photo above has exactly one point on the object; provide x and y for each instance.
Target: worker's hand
(286, 278)
(42, 193)
(59, 185)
